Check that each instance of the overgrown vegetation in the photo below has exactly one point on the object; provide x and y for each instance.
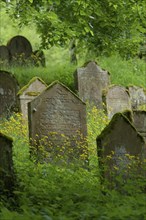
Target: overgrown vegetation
(47, 191)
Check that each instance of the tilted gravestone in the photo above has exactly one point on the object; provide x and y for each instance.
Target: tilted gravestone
(116, 99)
(137, 96)
(4, 55)
(20, 49)
(8, 94)
(90, 80)
(139, 121)
(57, 111)
(6, 164)
(29, 92)
(117, 143)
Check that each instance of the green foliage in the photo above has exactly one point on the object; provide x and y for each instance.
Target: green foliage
(49, 192)
(103, 26)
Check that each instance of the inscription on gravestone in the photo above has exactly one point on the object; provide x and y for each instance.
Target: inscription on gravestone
(57, 110)
(117, 99)
(8, 94)
(90, 81)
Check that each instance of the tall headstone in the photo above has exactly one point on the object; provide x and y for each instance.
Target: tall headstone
(9, 88)
(139, 121)
(137, 96)
(116, 99)
(58, 111)
(4, 55)
(29, 92)
(117, 143)
(6, 164)
(20, 49)
(90, 80)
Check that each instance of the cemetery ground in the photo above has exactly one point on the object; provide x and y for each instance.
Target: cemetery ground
(46, 191)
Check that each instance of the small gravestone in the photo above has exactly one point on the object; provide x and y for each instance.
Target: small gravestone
(139, 121)
(39, 58)
(4, 55)
(137, 96)
(58, 111)
(8, 94)
(116, 144)
(116, 99)
(20, 50)
(29, 92)
(6, 164)
(90, 80)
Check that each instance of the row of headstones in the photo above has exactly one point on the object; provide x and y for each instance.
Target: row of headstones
(18, 51)
(59, 110)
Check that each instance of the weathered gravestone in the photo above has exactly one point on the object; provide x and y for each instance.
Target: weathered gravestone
(6, 164)
(137, 96)
(90, 80)
(116, 99)
(117, 144)
(20, 50)
(39, 58)
(139, 121)
(8, 94)
(29, 92)
(4, 55)
(57, 111)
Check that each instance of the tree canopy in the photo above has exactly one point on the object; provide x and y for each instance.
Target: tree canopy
(98, 25)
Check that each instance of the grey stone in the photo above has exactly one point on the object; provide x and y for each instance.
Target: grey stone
(117, 143)
(137, 96)
(6, 164)
(139, 121)
(8, 94)
(57, 111)
(20, 49)
(90, 80)
(116, 99)
(29, 92)
(4, 55)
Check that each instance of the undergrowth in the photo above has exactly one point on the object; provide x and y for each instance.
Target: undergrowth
(46, 191)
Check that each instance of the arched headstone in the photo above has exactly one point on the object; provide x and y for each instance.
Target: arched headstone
(9, 88)
(20, 49)
(4, 55)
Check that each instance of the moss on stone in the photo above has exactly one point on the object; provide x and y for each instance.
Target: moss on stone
(29, 83)
(6, 136)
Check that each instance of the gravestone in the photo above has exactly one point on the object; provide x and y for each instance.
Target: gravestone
(117, 143)
(116, 99)
(137, 96)
(4, 55)
(20, 49)
(29, 92)
(139, 121)
(39, 58)
(90, 80)
(9, 87)
(57, 111)
(6, 164)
